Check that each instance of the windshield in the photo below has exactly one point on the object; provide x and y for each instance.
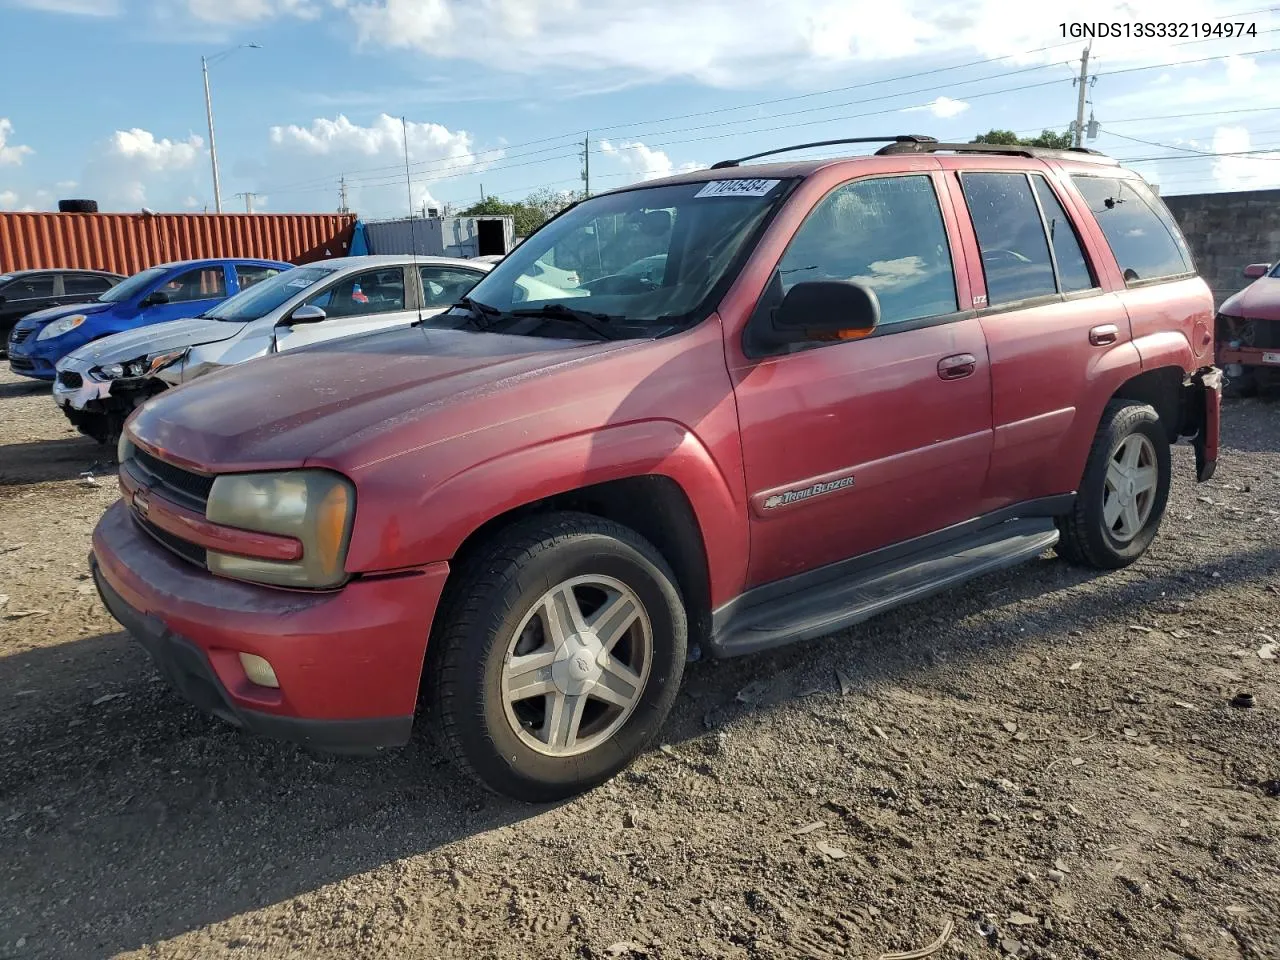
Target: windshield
(263, 297)
(644, 258)
(134, 285)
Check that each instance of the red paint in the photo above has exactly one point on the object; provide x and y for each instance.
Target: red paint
(1258, 301)
(176, 519)
(350, 654)
(444, 431)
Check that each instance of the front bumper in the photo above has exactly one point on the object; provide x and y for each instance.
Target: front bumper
(348, 661)
(25, 365)
(1203, 419)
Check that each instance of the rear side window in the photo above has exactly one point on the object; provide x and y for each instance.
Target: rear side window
(85, 283)
(1139, 228)
(886, 234)
(248, 275)
(1073, 269)
(1011, 239)
(445, 286)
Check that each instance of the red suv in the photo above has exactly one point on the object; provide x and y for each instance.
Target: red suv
(733, 408)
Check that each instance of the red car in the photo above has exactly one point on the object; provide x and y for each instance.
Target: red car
(848, 384)
(1248, 331)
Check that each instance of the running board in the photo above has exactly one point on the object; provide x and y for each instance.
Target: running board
(835, 604)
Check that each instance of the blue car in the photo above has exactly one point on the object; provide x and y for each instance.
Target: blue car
(170, 291)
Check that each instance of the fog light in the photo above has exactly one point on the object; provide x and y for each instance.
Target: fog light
(258, 670)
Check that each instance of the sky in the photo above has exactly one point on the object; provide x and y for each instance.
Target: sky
(103, 99)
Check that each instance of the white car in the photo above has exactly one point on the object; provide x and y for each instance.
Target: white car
(98, 385)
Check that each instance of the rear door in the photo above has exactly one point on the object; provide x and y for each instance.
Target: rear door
(1051, 330)
(374, 299)
(850, 446)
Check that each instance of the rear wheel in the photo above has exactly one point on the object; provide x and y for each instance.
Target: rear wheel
(557, 656)
(1122, 497)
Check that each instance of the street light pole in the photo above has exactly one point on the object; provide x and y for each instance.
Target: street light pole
(213, 148)
(208, 109)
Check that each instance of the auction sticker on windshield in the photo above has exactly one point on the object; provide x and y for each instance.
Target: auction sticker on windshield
(737, 188)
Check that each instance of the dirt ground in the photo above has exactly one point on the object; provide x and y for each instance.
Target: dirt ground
(1048, 761)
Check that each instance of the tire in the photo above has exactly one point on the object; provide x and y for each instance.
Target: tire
(502, 607)
(77, 206)
(1105, 537)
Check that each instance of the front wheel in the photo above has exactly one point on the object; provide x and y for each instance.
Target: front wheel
(1122, 497)
(557, 656)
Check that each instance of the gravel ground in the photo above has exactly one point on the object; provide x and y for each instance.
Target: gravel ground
(1047, 760)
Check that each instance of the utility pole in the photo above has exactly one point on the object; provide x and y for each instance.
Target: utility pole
(342, 195)
(586, 164)
(213, 148)
(248, 201)
(1083, 82)
(482, 193)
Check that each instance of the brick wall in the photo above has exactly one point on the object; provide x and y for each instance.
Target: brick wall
(1228, 231)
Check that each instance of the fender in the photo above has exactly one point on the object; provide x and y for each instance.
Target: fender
(445, 514)
(1168, 348)
(1107, 373)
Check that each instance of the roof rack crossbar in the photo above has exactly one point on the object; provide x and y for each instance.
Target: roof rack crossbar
(916, 139)
(1016, 150)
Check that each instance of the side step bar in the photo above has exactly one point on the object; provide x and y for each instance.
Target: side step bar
(833, 605)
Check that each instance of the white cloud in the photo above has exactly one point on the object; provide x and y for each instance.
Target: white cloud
(10, 154)
(1242, 172)
(8, 200)
(1241, 69)
(251, 11)
(942, 107)
(135, 166)
(738, 43)
(642, 162)
(308, 160)
(80, 8)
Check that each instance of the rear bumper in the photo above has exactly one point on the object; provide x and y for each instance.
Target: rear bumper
(348, 661)
(1204, 415)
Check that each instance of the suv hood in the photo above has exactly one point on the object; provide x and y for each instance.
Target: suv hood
(322, 401)
(41, 317)
(1258, 301)
(156, 338)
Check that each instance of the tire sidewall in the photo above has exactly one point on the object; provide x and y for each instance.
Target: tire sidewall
(1129, 421)
(496, 751)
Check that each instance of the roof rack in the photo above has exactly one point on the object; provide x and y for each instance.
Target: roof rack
(909, 140)
(1016, 150)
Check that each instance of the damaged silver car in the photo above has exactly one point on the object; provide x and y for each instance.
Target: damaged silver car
(100, 384)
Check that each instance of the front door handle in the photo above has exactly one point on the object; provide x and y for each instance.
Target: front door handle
(1103, 334)
(957, 367)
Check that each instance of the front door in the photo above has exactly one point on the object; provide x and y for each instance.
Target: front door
(374, 299)
(851, 446)
(189, 294)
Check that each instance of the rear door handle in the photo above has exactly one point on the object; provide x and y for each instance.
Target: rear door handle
(957, 367)
(1103, 334)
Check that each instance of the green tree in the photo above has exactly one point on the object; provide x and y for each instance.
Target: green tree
(1046, 138)
(526, 218)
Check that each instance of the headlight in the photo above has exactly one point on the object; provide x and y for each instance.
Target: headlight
(142, 367)
(315, 506)
(59, 327)
(124, 448)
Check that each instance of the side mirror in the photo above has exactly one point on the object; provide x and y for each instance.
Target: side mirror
(826, 310)
(307, 313)
(1255, 270)
(154, 299)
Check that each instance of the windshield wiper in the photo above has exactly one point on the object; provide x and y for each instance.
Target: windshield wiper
(482, 314)
(597, 323)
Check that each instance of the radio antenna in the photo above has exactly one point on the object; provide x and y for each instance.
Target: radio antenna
(413, 235)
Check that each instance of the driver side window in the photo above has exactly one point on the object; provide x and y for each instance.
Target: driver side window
(886, 234)
(363, 294)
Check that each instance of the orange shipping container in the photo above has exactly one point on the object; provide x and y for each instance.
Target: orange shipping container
(128, 242)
